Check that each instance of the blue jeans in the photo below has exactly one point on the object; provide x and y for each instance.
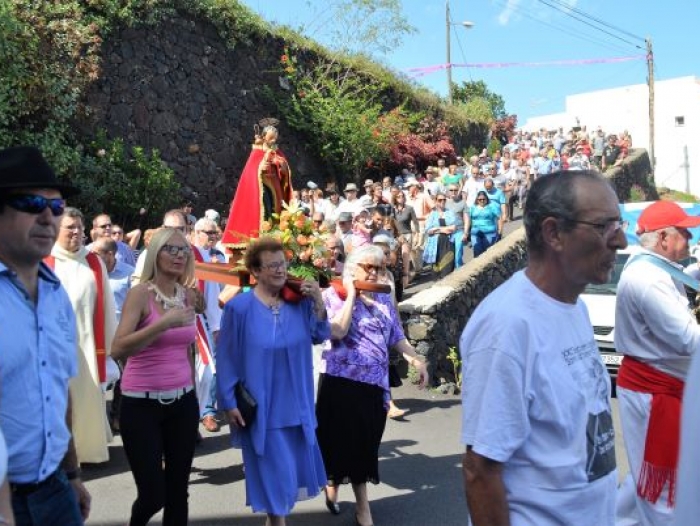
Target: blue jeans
(458, 237)
(52, 504)
(482, 241)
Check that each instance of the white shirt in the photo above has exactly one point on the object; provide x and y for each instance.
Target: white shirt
(653, 320)
(536, 398)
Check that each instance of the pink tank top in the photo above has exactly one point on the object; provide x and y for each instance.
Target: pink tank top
(164, 364)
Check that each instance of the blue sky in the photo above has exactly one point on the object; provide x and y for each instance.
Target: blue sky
(529, 30)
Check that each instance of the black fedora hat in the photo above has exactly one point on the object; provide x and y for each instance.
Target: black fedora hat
(25, 167)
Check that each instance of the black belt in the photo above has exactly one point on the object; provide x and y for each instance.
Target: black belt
(31, 487)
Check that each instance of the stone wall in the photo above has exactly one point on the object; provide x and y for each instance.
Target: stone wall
(435, 317)
(179, 88)
(634, 171)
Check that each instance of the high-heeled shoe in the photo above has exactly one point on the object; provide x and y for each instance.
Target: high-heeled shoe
(333, 507)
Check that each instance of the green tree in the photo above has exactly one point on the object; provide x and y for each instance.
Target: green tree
(470, 91)
(358, 26)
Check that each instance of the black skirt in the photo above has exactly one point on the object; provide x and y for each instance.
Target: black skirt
(351, 420)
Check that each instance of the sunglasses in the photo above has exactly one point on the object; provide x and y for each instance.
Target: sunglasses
(35, 204)
(369, 267)
(175, 250)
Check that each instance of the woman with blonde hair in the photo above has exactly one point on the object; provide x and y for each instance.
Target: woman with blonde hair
(159, 411)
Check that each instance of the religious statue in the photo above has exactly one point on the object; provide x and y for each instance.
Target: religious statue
(266, 183)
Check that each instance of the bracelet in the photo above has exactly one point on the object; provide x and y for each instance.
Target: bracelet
(73, 474)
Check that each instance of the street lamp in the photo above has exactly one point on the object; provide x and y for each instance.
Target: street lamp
(448, 23)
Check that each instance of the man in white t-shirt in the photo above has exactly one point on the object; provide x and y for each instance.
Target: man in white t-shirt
(658, 335)
(537, 422)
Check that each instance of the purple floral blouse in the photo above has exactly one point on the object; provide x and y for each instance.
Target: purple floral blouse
(363, 354)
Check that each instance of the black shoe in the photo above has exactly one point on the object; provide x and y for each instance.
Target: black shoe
(333, 507)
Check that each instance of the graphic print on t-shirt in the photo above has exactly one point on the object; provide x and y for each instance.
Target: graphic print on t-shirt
(589, 373)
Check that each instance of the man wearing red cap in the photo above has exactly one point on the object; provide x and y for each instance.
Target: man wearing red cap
(656, 332)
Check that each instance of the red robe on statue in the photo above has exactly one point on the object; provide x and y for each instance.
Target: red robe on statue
(260, 193)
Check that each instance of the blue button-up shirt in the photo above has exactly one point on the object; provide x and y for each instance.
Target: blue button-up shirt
(38, 355)
(120, 281)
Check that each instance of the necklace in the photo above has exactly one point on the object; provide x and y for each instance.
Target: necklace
(169, 302)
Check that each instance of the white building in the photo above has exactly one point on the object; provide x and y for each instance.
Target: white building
(677, 124)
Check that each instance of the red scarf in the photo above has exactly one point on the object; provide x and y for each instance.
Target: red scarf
(663, 433)
(98, 317)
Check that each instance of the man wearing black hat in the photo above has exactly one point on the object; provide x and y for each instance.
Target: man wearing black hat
(39, 347)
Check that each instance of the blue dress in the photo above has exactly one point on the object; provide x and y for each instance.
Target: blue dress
(272, 353)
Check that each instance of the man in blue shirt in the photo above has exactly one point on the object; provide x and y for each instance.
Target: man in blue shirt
(39, 347)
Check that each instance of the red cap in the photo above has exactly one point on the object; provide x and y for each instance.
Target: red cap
(664, 214)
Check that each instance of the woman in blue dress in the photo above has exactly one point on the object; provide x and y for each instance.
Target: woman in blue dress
(484, 221)
(266, 342)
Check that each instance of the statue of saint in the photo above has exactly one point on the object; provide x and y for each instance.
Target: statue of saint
(266, 183)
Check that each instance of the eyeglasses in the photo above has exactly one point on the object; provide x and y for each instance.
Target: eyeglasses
(369, 267)
(35, 204)
(275, 266)
(605, 230)
(208, 232)
(176, 250)
(105, 226)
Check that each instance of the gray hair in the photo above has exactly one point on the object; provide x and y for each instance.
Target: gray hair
(204, 223)
(649, 240)
(70, 211)
(359, 255)
(554, 195)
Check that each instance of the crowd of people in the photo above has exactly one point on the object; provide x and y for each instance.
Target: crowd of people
(83, 313)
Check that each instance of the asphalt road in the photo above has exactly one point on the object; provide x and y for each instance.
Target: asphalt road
(420, 461)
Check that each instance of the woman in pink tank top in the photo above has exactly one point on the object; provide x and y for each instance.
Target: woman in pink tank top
(159, 410)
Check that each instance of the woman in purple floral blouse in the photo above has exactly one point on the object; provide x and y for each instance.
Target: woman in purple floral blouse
(353, 394)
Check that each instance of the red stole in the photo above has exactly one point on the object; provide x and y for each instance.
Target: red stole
(202, 333)
(660, 463)
(98, 317)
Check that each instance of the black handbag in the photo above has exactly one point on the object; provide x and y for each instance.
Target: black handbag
(247, 405)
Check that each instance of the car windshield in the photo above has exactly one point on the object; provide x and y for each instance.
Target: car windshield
(610, 287)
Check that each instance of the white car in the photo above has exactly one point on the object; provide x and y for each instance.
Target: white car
(600, 301)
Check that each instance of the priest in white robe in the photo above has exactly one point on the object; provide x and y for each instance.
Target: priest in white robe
(70, 259)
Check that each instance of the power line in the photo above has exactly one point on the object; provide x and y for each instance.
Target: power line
(568, 13)
(461, 49)
(570, 33)
(597, 20)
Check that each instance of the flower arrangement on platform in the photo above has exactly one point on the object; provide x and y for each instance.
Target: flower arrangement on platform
(304, 246)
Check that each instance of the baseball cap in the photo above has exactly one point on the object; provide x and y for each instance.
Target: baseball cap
(664, 214)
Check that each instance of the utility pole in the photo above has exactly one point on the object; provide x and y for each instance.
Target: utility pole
(449, 54)
(650, 82)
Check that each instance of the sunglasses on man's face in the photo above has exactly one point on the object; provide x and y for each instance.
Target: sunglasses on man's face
(35, 204)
